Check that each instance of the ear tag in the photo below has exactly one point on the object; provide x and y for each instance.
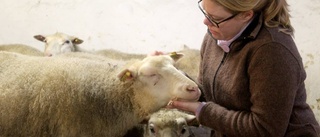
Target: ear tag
(126, 76)
(77, 41)
(174, 55)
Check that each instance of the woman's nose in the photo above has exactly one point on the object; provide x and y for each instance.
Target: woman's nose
(207, 22)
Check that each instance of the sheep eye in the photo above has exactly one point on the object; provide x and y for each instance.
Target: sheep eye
(67, 41)
(151, 128)
(183, 131)
(157, 80)
(152, 75)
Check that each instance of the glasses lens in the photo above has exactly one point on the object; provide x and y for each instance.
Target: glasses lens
(206, 15)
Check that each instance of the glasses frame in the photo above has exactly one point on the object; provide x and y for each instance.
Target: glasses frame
(210, 18)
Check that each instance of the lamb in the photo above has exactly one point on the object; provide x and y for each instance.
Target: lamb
(169, 123)
(58, 43)
(165, 123)
(22, 49)
(66, 96)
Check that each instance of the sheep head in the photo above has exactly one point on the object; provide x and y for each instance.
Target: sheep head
(169, 123)
(160, 80)
(58, 43)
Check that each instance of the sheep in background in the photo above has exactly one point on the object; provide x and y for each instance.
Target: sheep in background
(65, 96)
(89, 56)
(60, 43)
(115, 54)
(22, 49)
(169, 123)
(164, 123)
(188, 64)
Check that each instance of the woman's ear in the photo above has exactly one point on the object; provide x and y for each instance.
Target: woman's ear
(247, 15)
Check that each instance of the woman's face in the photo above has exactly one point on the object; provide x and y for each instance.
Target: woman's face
(227, 28)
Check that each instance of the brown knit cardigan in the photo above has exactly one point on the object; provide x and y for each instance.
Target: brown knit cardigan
(257, 89)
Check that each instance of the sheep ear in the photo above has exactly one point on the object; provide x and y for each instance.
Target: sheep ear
(176, 56)
(77, 41)
(40, 38)
(145, 120)
(125, 75)
(191, 120)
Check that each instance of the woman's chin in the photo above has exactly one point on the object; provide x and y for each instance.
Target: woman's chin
(215, 34)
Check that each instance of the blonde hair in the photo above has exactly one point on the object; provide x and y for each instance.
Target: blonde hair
(275, 12)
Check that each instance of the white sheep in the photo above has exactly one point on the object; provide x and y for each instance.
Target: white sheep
(115, 54)
(169, 123)
(166, 121)
(77, 97)
(22, 49)
(58, 43)
(188, 64)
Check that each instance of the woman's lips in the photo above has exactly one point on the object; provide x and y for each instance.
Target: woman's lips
(213, 32)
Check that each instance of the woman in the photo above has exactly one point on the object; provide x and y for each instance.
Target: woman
(251, 72)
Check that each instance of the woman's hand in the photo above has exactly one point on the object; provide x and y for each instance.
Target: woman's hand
(186, 106)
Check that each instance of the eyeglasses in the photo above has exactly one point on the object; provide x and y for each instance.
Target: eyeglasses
(216, 24)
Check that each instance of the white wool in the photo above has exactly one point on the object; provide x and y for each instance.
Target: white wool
(77, 96)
